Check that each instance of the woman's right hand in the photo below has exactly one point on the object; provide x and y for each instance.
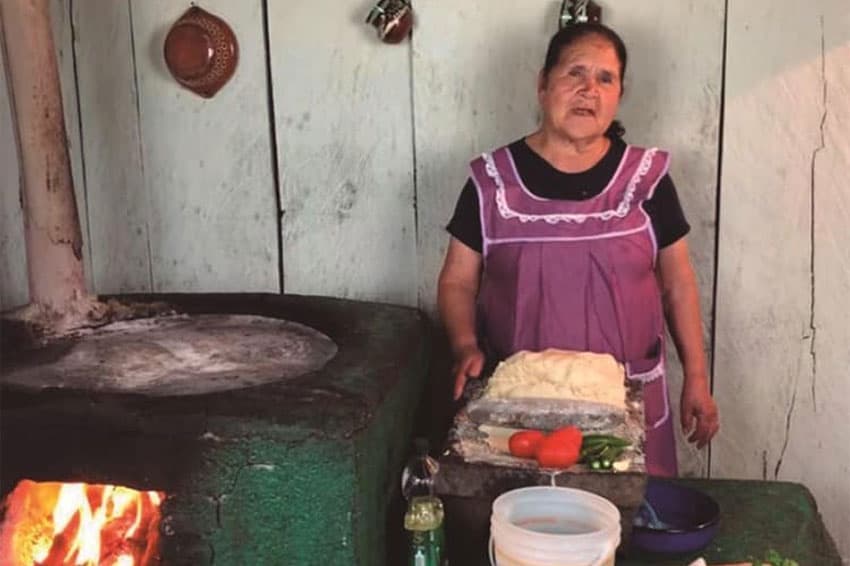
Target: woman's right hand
(469, 362)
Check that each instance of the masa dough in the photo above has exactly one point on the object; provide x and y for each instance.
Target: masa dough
(560, 374)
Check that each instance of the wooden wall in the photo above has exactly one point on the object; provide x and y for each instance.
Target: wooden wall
(331, 163)
(343, 122)
(175, 192)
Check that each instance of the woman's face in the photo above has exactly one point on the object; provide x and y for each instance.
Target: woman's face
(580, 96)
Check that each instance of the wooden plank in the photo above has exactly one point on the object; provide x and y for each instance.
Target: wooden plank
(207, 163)
(764, 338)
(63, 37)
(342, 107)
(474, 89)
(117, 199)
(785, 269)
(13, 258)
(820, 436)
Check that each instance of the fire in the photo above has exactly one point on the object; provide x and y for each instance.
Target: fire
(77, 524)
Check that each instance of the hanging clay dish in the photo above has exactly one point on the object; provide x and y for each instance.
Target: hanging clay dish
(392, 19)
(201, 52)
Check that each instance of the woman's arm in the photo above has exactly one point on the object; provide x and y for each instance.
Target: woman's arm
(680, 297)
(456, 297)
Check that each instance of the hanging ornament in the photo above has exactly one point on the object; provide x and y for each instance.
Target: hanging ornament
(392, 19)
(579, 11)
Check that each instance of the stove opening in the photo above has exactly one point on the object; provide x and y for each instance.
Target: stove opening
(78, 524)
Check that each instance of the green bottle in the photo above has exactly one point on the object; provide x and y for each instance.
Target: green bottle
(424, 516)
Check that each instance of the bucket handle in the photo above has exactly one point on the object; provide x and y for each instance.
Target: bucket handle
(609, 548)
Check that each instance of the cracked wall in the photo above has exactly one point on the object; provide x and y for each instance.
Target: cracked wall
(782, 344)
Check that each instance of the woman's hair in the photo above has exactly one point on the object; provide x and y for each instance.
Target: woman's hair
(573, 33)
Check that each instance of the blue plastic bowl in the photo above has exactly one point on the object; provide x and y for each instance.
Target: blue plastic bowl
(684, 519)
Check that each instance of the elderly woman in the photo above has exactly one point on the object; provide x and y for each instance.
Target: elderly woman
(570, 238)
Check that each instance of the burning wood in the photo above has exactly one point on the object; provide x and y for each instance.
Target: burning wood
(64, 524)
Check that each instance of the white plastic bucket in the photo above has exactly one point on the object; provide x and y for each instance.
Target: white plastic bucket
(553, 526)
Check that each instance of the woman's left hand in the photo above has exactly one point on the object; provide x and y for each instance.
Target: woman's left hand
(681, 305)
(700, 421)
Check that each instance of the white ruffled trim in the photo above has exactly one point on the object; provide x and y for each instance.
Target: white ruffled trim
(621, 211)
(649, 375)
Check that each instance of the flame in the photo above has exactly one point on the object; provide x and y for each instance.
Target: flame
(77, 524)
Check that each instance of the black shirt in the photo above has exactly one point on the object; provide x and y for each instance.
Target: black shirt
(542, 179)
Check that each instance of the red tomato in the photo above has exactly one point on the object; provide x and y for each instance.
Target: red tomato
(569, 434)
(558, 451)
(523, 444)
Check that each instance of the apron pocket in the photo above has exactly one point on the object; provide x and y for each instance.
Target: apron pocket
(650, 372)
(649, 368)
(656, 407)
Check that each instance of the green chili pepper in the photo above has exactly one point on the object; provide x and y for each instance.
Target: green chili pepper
(607, 439)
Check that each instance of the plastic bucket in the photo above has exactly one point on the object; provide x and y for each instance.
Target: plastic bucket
(553, 526)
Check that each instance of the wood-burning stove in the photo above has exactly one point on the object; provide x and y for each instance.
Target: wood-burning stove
(293, 471)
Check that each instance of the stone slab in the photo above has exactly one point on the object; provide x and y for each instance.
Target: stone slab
(482, 427)
(476, 468)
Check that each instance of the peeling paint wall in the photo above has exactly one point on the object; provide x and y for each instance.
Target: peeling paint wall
(331, 163)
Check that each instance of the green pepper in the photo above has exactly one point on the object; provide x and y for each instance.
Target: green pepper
(600, 451)
(592, 452)
(606, 439)
(604, 460)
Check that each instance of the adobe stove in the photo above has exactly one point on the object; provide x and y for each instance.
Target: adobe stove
(236, 429)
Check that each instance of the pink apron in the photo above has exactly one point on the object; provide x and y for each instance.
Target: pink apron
(578, 275)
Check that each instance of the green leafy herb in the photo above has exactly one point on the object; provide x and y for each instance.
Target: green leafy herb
(773, 558)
